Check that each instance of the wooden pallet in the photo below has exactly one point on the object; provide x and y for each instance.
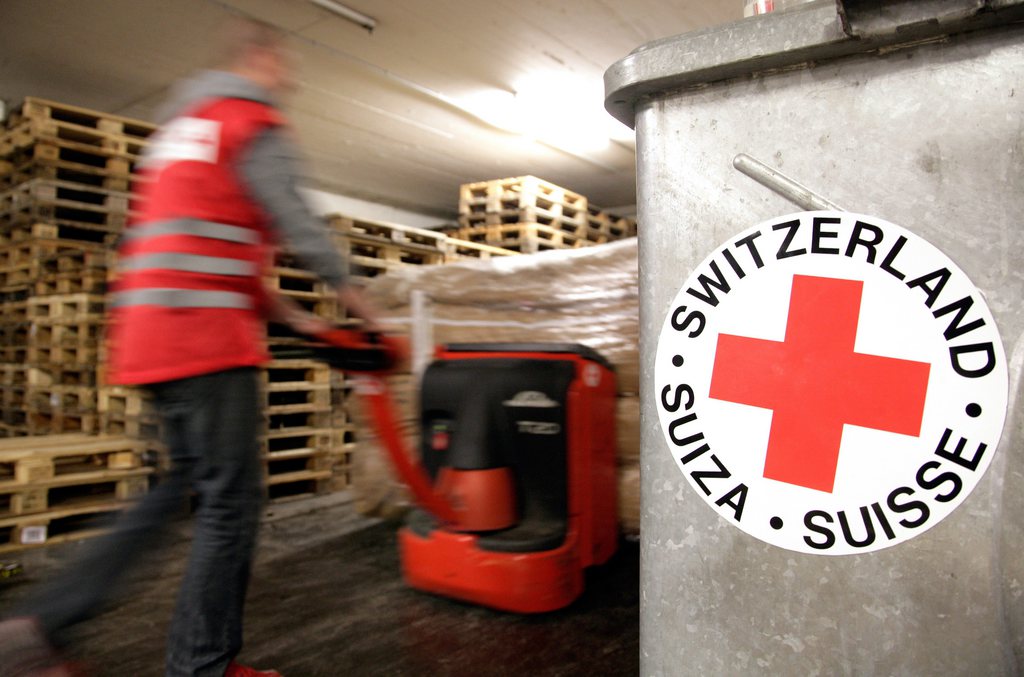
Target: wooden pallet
(66, 308)
(292, 372)
(344, 438)
(34, 108)
(24, 262)
(460, 250)
(297, 284)
(610, 225)
(145, 428)
(123, 401)
(39, 252)
(297, 485)
(13, 354)
(25, 151)
(55, 422)
(277, 421)
(44, 223)
(292, 450)
(73, 257)
(521, 193)
(12, 397)
(75, 333)
(326, 306)
(24, 170)
(574, 226)
(98, 486)
(13, 375)
(363, 269)
(129, 412)
(288, 441)
(287, 398)
(12, 402)
(21, 276)
(62, 398)
(45, 458)
(65, 202)
(83, 355)
(13, 424)
(87, 235)
(289, 462)
(23, 134)
(59, 526)
(372, 247)
(387, 232)
(84, 282)
(340, 456)
(526, 238)
(14, 334)
(71, 374)
(362, 247)
(15, 311)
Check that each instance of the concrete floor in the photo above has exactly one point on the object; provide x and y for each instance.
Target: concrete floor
(327, 599)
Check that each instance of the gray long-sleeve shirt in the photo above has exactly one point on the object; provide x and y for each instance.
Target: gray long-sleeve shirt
(270, 168)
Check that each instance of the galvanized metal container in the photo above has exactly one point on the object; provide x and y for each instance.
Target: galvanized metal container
(909, 111)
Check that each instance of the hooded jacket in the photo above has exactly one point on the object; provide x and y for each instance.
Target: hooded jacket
(219, 189)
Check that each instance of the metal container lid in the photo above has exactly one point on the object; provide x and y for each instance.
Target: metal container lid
(821, 30)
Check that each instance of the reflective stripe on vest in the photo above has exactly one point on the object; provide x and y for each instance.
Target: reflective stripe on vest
(194, 228)
(189, 263)
(181, 298)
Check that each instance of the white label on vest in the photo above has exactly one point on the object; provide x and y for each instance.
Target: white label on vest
(184, 139)
(830, 383)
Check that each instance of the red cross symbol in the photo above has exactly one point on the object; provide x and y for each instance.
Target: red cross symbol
(814, 382)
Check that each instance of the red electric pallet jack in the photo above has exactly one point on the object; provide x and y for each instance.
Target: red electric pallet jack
(515, 478)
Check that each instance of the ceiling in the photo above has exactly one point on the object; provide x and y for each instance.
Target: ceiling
(382, 116)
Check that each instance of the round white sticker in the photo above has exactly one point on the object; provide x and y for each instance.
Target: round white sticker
(830, 383)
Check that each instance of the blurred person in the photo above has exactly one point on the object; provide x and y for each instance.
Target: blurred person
(187, 321)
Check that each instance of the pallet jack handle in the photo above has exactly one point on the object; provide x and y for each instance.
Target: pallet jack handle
(370, 356)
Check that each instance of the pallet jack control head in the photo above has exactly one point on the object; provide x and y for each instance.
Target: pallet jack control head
(358, 351)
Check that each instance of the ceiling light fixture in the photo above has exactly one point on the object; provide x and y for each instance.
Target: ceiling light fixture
(347, 13)
(558, 109)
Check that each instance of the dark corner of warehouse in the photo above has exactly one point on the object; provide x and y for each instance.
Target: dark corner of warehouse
(561, 338)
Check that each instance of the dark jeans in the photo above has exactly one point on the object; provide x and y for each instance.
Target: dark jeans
(211, 427)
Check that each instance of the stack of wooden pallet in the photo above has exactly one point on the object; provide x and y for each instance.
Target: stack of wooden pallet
(53, 487)
(300, 443)
(527, 214)
(310, 435)
(374, 247)
(128, 411)
(603, 226)
(65, 175)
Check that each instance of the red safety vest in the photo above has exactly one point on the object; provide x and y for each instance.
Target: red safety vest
(189, 298)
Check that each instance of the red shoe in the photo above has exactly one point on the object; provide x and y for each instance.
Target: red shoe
(239, 670)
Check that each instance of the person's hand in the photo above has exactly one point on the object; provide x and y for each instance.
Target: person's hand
(308, 324)
(353, 300)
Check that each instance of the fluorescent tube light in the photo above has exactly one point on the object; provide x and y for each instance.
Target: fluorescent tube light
(347, 13)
